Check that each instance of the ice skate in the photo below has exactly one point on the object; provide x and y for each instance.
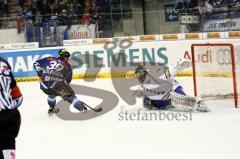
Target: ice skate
(53, 110)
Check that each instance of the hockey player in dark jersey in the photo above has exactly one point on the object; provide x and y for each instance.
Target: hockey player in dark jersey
(10, 119)
(55, 76)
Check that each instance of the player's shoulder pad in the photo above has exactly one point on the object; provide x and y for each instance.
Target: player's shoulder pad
(68, 65)
(5, 61)
(52, 58)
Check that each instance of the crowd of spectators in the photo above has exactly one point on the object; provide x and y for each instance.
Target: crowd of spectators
(64, 12)
(4, 8)
(203, 11)
(205, 6)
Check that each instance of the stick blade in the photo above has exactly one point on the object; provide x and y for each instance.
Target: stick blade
(99, 109)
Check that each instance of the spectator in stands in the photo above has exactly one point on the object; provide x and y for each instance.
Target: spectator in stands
(181, 6)
(45, 8)
(4, 7)
(235, 5)
(94, 7)
(38, 4)
(22, 3)
(87, 7)
(1, 8)
(56, 8)
(105, 5)
(26, 16)
(30, 7)
(1, 13)
(72, 9)
(21, 21)
(79, 6)
(95, 10)
(105, 23)
(86, 19)
(66, 19)
(205, 8)
(38, 19)
(185, 6)
(235, 2)
(219, 5)
(37, 28)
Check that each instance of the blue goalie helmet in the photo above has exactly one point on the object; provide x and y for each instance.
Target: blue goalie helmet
(63, 53)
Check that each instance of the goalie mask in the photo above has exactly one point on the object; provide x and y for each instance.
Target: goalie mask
(140, 73)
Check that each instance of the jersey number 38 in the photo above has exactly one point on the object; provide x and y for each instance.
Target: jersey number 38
(53, 65)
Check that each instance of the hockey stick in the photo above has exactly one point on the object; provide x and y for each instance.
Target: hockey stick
(95, 110)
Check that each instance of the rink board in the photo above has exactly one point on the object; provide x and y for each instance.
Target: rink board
(94, 61)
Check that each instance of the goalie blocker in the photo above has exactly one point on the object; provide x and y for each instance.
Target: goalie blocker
(163, 90)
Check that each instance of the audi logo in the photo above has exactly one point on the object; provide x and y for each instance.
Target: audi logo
(224, 57)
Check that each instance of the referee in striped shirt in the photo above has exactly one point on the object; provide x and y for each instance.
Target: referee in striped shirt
(10, 119)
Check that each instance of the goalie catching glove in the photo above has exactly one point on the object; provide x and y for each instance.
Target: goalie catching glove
(181, 65)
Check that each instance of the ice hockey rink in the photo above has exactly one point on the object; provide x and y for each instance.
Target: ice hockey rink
(212, 135)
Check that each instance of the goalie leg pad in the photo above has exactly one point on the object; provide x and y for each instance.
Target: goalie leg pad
(180, 99)
(194, 103)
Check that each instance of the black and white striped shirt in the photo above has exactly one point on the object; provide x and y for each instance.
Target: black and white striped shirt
(7, 84)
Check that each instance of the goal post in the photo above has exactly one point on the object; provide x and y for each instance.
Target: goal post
(214, 71)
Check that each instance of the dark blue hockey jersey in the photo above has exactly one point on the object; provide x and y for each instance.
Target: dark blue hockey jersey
(53, 71)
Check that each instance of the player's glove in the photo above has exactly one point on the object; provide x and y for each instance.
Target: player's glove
(38, 68)
(16, 96)
(15, 92)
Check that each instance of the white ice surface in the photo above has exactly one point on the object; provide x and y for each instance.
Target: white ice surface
(213, 135)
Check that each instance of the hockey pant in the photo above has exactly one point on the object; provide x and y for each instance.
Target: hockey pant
(10, 121)
(65, 92)
(164, 102)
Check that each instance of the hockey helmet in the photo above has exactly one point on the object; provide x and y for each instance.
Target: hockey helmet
(140, 71)
(63, 53)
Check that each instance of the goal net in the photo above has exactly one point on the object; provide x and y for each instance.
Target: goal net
(214, 71)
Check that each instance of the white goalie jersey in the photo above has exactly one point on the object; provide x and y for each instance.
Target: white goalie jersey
(159, 82)
(158, 85)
